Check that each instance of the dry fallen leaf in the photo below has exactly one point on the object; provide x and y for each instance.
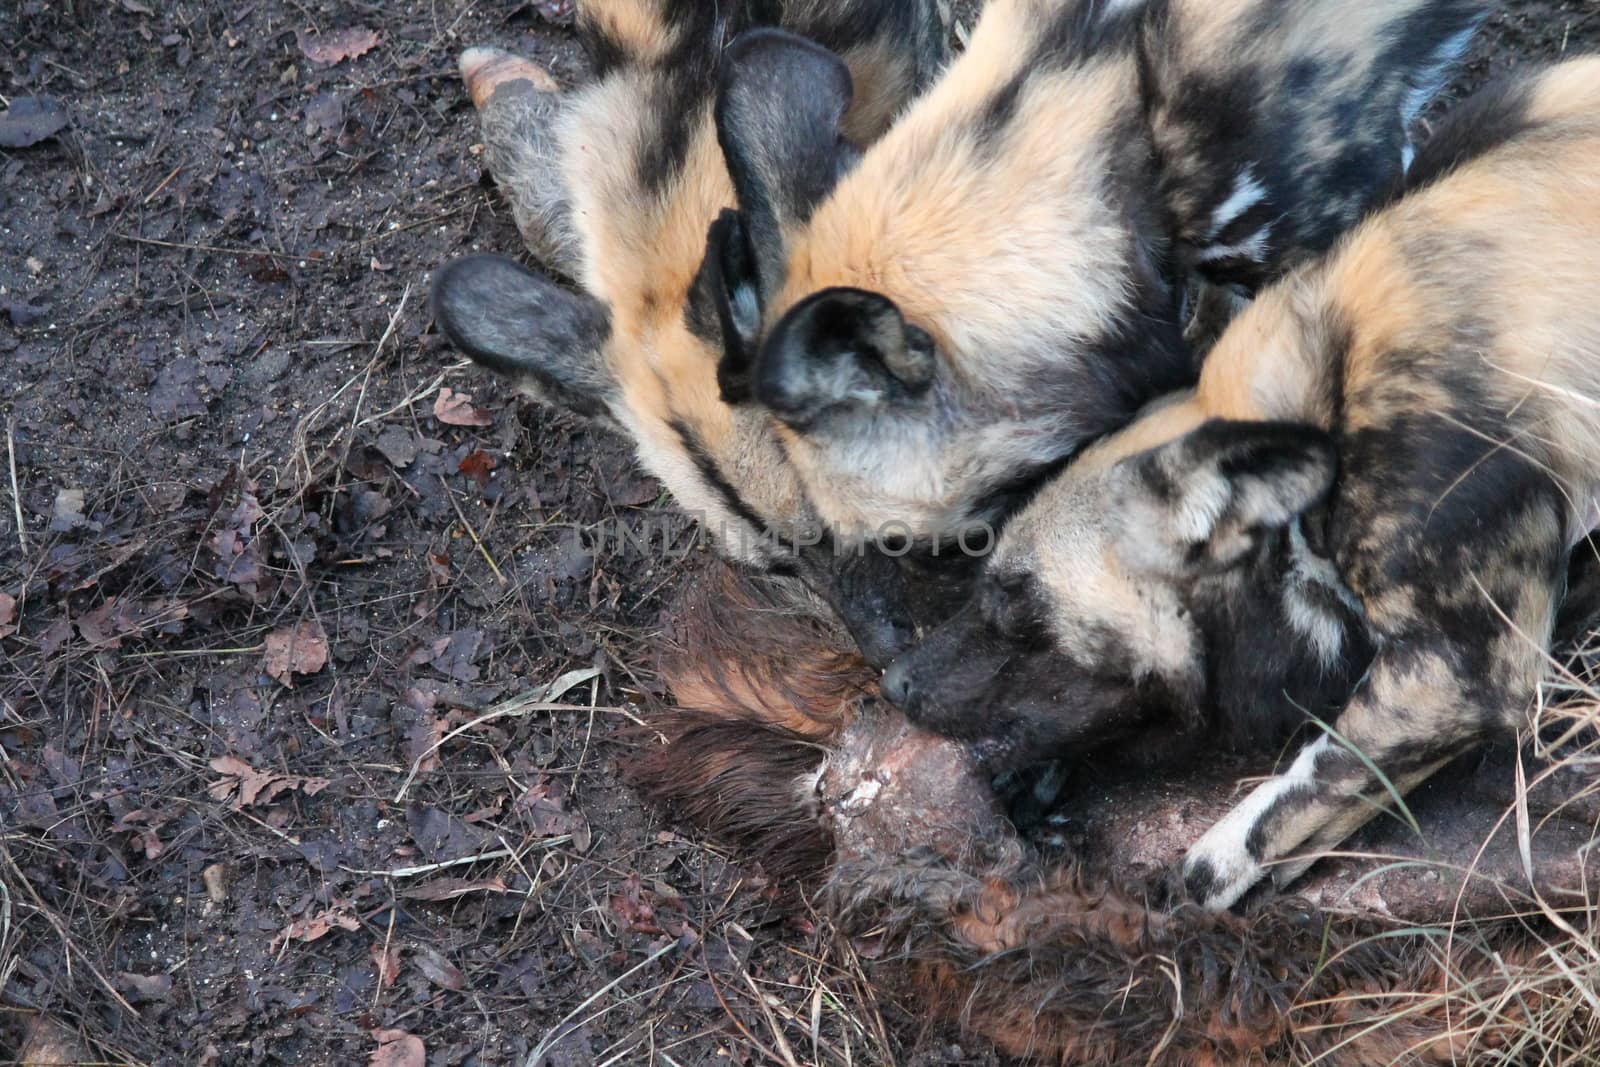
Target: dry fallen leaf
(301, 649)
(631, 906)
(50, 1042)
(246, 785)
(145, 987)
(215, 879)
(545, 802)
(386, 962)
(8, 615)
(438, 970)
(238, 771)
(66, 514)
(398, 445)
(396, 1048)
(30, 119)
(477, 466)
(319, 925)
(443, 837)
(456, 657)
(327, 49)
(440, 889)
(107, 625)
(455, 409)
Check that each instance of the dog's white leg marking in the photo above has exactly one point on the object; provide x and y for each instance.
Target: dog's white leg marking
(1221, 866)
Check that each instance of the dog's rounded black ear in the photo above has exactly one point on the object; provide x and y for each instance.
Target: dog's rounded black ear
(841, 348)
(548, 340)
(779, 114)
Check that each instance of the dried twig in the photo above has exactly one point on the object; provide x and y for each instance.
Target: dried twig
(482, 551)
(430, 868)
(65, 936)
(16, 493)
(205, 248)
(421, 394)
(772, 1020)
(164, 183)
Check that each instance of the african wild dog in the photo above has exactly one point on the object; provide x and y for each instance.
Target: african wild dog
(654, 373)
(939, 323)
(1364, 508)
(615, 185)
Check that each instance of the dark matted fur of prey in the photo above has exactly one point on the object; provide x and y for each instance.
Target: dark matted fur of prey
(1064, 966)
(762, 684)
(1050, 960)
(745, 647)
(735, 780)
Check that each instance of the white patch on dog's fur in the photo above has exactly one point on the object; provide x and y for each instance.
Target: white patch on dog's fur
(1310, 573)
(1205, 498)
(1312, 622)
(1585, 518)
(1252, 247)
(808, 787)
(1225, 847)
(861, 797)
(1430, 80)
(746, 308)
(1247, 193)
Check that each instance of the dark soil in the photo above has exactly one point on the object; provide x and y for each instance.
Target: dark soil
(274, 588)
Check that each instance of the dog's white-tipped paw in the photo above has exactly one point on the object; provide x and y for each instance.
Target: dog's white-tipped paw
(1223, 865)
(1219, 869)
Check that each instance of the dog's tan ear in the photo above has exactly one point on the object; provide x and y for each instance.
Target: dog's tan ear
(547, 340)
(1203, 501)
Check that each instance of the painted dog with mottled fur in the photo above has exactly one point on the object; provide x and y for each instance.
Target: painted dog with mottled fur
(1364, 511)
(938, 324)
(614, 186)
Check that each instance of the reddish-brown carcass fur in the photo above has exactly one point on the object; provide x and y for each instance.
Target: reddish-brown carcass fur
(1052, 958)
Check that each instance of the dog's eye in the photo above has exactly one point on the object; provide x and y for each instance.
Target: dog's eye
(1011, 609)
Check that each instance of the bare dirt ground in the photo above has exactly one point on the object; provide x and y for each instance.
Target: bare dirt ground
(261, 796)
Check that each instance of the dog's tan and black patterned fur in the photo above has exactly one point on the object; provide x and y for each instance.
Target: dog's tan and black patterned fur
(613, 186)
(616, 184)
(1364, 509)
(999, 280)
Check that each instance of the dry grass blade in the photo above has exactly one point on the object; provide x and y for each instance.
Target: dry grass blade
(773, 1025)
(527, 704)
(472, 533)
(73, 950)
(1524, 830)
(558, 1031)
(431, 868)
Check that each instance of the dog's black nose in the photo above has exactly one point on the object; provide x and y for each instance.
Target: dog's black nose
(896, 685)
